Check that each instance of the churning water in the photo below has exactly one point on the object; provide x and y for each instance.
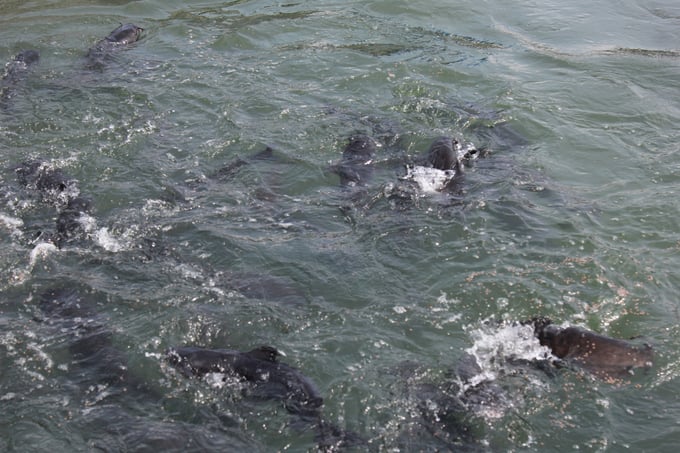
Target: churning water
(399, 301)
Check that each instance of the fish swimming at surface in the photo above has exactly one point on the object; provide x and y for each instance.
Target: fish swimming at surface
(354, 169)
(71, 221)
(602, 356)
(442, 154)
(55, 187)
(125, 34)
(233, 167)
(21, 62)
(121, 37)
(48, 180)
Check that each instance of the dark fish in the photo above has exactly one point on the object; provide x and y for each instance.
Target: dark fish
(48, 180)
(233, 167)
(602, 356)
(260, 367)
(254, 285)
(19, 65)
(55, 187)
(119, 38)
(125, 34)
(64, 302)
(438, 418)
(268, 379)
(112, 428)
(354, 169)
(27, 57)
(91, 345)
(70, 225)
(15, 71)
(442, 154)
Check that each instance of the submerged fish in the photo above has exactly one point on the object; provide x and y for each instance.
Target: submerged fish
(260, 367)
(16, 71)
(268, 379)
(91, 343)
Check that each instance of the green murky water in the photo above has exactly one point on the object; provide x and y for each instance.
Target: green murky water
(572, 215)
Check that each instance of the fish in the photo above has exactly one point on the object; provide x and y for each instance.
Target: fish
(123, 36)
(604, 357)
(268, 379)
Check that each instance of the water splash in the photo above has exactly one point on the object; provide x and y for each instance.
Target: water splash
(13, 224)
(429, 180)
(106, 240)
(506, 340)
(499, 352)
(41, 251)
(432, 180)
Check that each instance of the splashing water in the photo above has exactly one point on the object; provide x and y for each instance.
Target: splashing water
(429, 180)
(505, 341)
(433, 180)
(499, 351)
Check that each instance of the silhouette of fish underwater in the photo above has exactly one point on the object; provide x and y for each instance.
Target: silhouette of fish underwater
(268, 379)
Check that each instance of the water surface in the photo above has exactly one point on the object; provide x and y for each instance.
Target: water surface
(572, 215)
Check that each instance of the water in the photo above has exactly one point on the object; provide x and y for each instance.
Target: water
(374, 295)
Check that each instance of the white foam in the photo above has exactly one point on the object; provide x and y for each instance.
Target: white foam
(87, 223)
(40, 251)
(63, 195)
(13, 224)
(220, 380)
(505, 340)
(107, 241)
(493, 346)
(429, 180)
(190, 272)
(49, 363)
(161, 208)
(69, 193)
(447, 311)
(116, 242)
(432, 180)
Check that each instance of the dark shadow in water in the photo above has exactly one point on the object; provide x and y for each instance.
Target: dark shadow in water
(16, 72)
(113, 429)
(269, 379)
(435, 416)
(113, 393)
(53, 187)
(96, 358)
